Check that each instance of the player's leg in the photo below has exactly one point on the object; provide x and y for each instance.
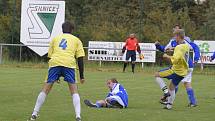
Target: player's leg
(41, 98)
(98, 104)
(176, 79)
(171, 98)
(128, 55)
(190, 92)
(69, 76)
(53, 75)
(133, 59)
(159, 80)
(112, 102)
(75, 99)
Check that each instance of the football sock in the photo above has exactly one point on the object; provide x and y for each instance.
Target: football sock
(98, 105)
(191, 96)
(132, 67)
(162, 84)
(40, 100)
(125, 64)
(76, 104)
(171, 98)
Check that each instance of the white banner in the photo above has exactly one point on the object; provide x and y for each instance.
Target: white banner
(112, 51)
(207, 48)
(40, 22)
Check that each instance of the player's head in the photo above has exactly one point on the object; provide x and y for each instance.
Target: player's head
(132, 35)
(67, 27)
(177, 26)
(179, 35)
(111, 82)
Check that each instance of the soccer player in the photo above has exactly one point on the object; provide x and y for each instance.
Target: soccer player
(187, 80)
(213, 56)
(131, 45)
(63, 52)
(177, 71)
(116, 98)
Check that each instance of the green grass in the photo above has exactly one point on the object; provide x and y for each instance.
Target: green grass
(20, 86)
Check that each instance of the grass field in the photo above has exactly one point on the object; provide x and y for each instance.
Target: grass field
(19, 88)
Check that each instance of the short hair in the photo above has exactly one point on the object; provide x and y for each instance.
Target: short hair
(67, 27)
(113, 80)
(180, 33)
(178, 25)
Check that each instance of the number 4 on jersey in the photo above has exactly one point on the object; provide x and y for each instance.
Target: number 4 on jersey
(63, 44)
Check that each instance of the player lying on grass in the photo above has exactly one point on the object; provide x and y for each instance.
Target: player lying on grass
(116, 98)
(177, 71)
(188, 79)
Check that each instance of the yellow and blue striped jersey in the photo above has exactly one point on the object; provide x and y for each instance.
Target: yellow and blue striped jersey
(64, 49)
(180, 59)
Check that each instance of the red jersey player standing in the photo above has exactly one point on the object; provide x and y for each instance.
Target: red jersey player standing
(131, 46)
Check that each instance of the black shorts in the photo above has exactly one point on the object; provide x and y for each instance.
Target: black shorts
(131, 54)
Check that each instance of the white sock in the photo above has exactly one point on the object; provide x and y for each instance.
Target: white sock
(171, 98)
(162, 84)
(77, 105)
(40, 100)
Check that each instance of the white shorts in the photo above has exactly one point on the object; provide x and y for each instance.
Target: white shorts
(188, 77)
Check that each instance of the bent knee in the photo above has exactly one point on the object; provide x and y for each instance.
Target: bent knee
(157, 74)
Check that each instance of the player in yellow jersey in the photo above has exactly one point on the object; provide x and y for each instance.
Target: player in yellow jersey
(63, 52)
(177, 71)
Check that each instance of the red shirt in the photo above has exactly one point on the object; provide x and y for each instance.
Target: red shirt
(131, 44)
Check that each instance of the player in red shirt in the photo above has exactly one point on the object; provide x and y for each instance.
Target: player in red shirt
(131, 46)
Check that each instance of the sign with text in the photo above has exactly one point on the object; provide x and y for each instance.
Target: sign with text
(112, 51)
(207, 48)
(40, 22)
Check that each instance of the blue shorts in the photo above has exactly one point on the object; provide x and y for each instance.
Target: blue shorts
(130, 54)
(54, 74)
(171, 75)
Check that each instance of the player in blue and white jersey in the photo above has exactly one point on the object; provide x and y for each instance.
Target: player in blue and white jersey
(187, 80)
(116, 98)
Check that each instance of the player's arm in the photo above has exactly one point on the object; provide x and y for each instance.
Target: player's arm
(81, 67)
(124, 47)
(159, 46)
(50, 51)
(213, 56)
(196, 51)
(80, 55)
(167, 57)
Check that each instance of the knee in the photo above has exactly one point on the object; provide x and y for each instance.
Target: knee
(187, 85)
(157, 74)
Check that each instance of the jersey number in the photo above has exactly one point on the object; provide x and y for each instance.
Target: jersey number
(63, 44)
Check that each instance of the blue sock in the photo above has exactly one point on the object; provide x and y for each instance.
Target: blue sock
(176, 89)
(191, 96)
(98, 105)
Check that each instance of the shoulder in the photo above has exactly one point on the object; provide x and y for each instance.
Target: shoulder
(187, 39)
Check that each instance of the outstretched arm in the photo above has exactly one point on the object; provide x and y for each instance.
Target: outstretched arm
(196, 51)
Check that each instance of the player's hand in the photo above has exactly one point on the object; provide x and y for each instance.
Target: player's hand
(157, 43)
(82, 81)
(165, 56)
(141, 56)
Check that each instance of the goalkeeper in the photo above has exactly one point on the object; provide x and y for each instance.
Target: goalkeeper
(131, 45)
(116, 98)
